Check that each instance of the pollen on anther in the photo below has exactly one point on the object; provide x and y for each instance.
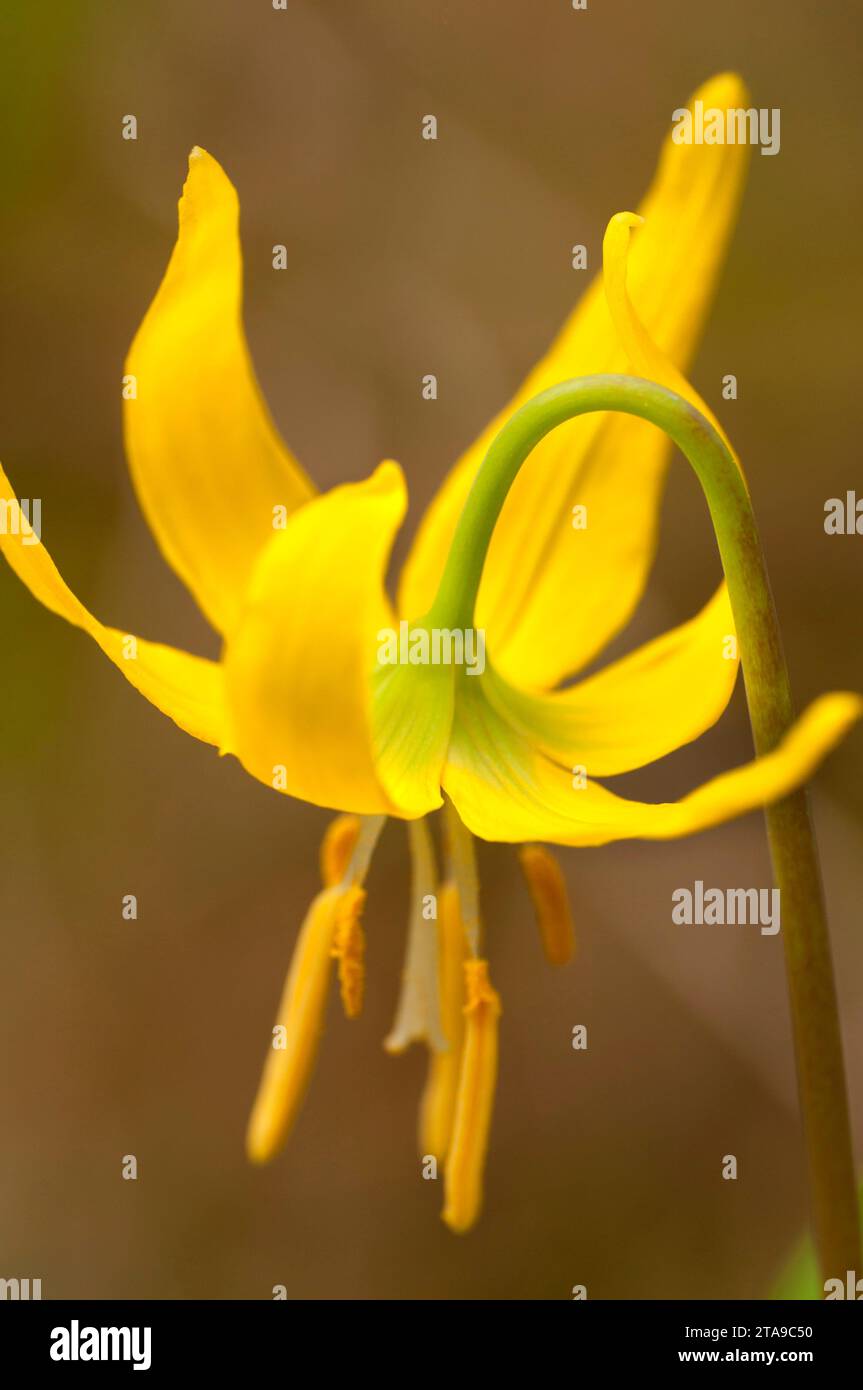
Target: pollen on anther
(337, 846)
(547, 889)
(349, 947)
(466, 1157)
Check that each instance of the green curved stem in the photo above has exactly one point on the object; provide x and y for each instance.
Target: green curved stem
(814, 1014)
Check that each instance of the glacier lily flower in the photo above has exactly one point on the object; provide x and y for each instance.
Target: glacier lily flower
(294, 583)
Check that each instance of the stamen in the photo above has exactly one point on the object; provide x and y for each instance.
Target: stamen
(339, 842)
(370, 830)
(295, 1037)
(547, 888)
(352, 840)
(466, 1159)
(418, 1012)
(462, 865)
(334, 913)
(349, 947)
(437, 1109)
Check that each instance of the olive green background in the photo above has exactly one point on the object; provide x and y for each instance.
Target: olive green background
(404, 257)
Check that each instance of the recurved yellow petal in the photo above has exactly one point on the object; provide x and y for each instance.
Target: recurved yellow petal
(208, 465)
(639, 708)
(465, 1164)
(554, 593)
(646, 358)
(300, 662)
(504, 789)
(189, 689)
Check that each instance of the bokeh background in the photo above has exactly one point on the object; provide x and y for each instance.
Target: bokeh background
(404, 257)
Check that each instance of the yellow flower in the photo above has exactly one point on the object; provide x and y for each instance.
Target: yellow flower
(293, 581)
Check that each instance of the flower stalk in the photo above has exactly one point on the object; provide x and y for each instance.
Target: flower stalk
(812, 992)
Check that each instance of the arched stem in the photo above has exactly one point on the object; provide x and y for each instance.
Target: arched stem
(814, 1014)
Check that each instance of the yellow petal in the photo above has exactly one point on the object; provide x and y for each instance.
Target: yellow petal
(636, 710)
(465, 1162)
(412, 717)
(300, 663)
(646, 358)
(189, 689)
(613, 466)
(437, 1108)
(208, 465)
(504, 789)
(547, 888)
(299, 1024)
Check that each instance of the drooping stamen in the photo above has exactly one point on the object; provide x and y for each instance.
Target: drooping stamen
(349, 854)
(466, 1159)
(302, 1008)
(437, 1108)
(297, 1031)
(349, 947)
(337, 846)
(547, 888)
(462, 865)
(370, 831)
(418, 1017)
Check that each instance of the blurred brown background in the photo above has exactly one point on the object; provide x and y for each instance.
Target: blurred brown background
(404, 257)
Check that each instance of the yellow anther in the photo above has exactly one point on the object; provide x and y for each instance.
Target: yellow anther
(478, 989)
(466, 1159)
(547, 888)
(337, 846)
(437, 1110)
(295, 1036)
(349, 948)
